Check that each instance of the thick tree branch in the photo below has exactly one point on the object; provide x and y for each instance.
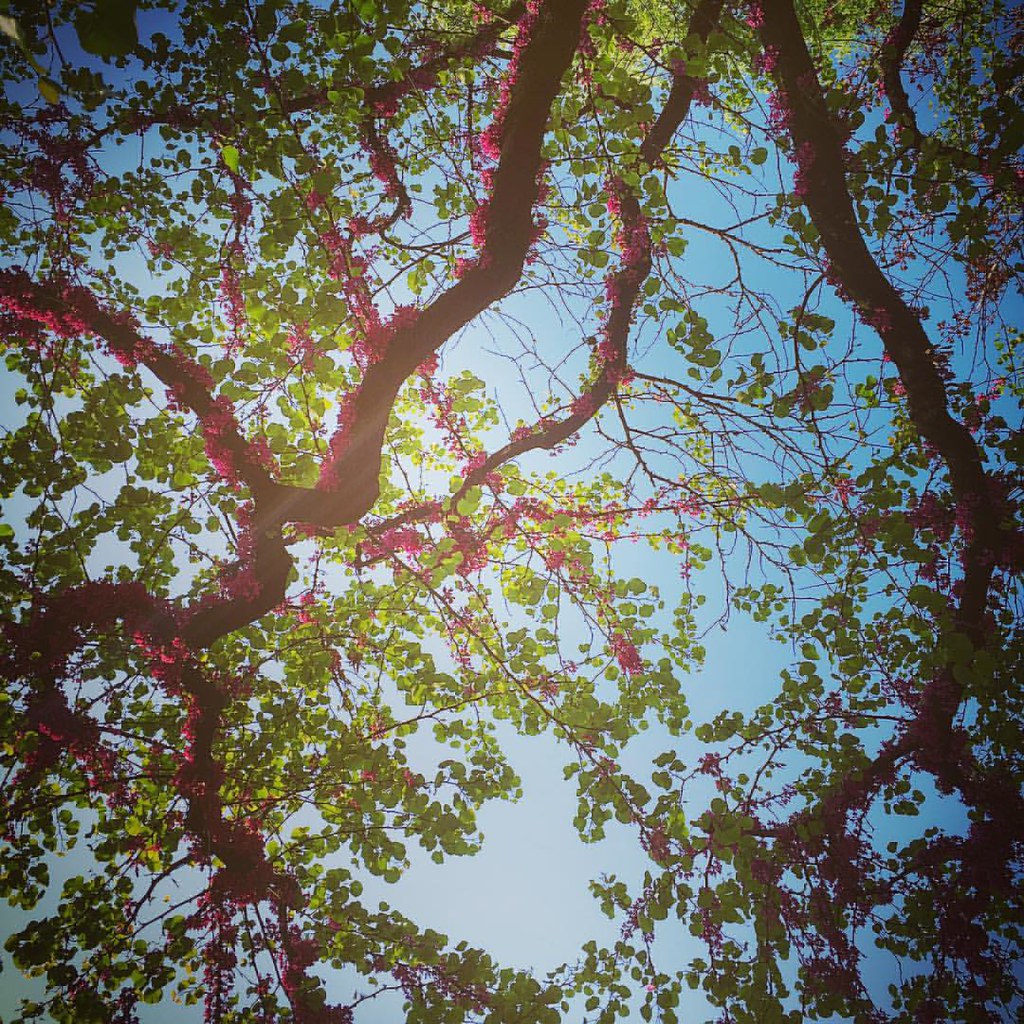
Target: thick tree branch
(623, 287)
(818, 144)
(356, 459)
(931, 739)
(894, 50)
(69, 309)
(382, 98)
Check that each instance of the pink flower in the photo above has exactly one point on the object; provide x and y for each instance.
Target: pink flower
(626, 654)
(844, 488)
(877, 317)
(765, 63)
(478, 225)
(302, 345)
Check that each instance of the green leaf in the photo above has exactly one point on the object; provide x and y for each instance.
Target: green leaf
(107, 27)
(49, 89)
(9, 27)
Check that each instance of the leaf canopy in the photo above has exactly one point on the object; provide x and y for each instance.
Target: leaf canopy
(383, 377)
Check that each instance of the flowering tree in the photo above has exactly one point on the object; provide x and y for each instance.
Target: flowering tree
(745, 271)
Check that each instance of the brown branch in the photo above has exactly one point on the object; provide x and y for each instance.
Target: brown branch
(479, 44)
(818, 143)
(894, 50)
(931, 738)
(69, 309)
(677, 104)
(625, 283)
(547, 54)
(268, 569)
(508, 236)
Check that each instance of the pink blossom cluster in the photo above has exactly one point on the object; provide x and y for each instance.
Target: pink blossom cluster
(429, 366)
(306, 602)
(441, 978)
(473, 463)
(375, 334)
(656, 843)
(478, 225)
(554, 560)
(482, 13)
(61, 728)
(932, 515)
(61, 171)
(805, 157)
(220, 432)
(594, 15)
(241, 582)
(585, 404)
(635, 243)
(626, 654)
(160, 250)
(463, 266)
(233, 305)
(491, 137)
(468, 543)
(766, 61)
(778, 113)
(338, 251)
(22, 321)
(192, 375)
(374, 345)
(835, 280)
(877, 317)
(403, 540)
(38, 650)
(845, 489)
(297, 953)
(385, 102)
(620, 287)
(383, 164)
(452, 424)
(329, 478)
(302, 345)
(614, 187)
(632, 235)
(219, 963)
(359, 227)
(240, 203)
(166, 657)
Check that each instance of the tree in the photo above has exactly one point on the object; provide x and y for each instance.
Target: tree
(265, 519)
